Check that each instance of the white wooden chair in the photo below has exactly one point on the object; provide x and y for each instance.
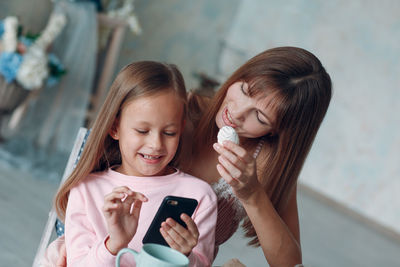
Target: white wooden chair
(49, 230)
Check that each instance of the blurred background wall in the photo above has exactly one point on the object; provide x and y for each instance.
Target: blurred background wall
(355, 159)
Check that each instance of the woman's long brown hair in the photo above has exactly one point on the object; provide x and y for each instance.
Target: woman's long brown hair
(301, 90)
(144, 78)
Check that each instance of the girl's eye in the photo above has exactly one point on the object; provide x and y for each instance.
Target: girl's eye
(170, 133)
(142, 131)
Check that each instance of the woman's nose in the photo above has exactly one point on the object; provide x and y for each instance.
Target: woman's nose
(240, 110)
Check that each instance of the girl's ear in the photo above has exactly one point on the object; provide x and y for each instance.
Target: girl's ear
(114, 134)
(114, 131)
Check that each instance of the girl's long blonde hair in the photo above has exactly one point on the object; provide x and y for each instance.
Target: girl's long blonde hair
(144, 78)
(301, 90)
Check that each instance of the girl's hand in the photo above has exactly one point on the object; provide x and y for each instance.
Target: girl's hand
(121, 210)
(178, 237)
(238, 168)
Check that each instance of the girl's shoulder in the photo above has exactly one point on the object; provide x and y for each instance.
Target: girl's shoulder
(190, 178)
(93, 178)
(194, 183)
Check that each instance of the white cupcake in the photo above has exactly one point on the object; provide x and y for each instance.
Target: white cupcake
(227, 133)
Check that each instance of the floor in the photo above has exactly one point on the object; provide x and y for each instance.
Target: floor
(330, 236)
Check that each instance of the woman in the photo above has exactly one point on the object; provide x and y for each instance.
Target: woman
(276, 102)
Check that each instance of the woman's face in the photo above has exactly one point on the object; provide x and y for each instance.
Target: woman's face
(251, 117)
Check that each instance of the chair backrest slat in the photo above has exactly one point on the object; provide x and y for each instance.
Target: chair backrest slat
(72, 161)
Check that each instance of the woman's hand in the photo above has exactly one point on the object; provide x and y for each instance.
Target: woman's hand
(178, 237)
(121, 210)
(238, 168)
(278, 239)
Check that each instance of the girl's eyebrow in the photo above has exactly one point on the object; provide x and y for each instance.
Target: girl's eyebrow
(147, 123)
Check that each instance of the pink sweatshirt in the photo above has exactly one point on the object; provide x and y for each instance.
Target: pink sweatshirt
(85, 225)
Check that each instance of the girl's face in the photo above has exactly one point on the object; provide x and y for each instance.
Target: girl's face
(251, 117)
(148, 132)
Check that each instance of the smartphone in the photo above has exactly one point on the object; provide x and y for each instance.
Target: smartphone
(171, 207)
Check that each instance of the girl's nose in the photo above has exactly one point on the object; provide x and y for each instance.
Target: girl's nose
(155, 141)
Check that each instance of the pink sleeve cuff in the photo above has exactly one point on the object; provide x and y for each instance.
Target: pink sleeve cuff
(104, 255)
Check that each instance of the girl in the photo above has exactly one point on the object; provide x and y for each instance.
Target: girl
(112, 195)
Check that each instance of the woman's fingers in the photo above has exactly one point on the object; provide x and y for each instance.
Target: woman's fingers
(236, 162)
(226, 175)
(228, 154)
(234, 149)
(233, 171)
(232, 164)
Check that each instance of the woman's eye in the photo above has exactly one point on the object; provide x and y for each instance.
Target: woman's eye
(170, 133)
(141, 131)
(260, 120)
(244, 91)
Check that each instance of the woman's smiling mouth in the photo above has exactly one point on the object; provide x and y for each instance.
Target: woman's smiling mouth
(227, 118)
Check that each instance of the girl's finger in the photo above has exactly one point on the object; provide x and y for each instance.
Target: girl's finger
(114, 197)
(118, 193)
(173, 228)
(110, 206)
(126, 190)
(178, 229)
(137, 206)
(123, 193)
(135, 197)
(123, 189)
(139, 196)
(170, 241)
(192, 227)
(191, 234)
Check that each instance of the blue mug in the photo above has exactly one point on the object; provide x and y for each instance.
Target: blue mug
(155, 255)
